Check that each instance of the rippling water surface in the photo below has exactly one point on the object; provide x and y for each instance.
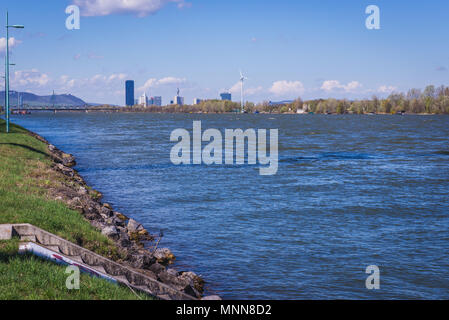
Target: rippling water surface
(351, 191)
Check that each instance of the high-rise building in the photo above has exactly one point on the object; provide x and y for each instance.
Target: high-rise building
(129, 86)
(226, 96)
(143, 100)
(197, 101)
(156, 101)
(178, 99)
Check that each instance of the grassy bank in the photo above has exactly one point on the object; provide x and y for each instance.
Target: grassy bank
(26, 181)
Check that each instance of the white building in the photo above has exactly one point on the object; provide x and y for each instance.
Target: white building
(143, 100)
(197, 101)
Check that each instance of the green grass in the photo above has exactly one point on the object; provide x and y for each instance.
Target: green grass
(25, 180)
(25, 277)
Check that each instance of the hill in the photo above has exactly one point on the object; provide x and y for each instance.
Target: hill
(33, 100)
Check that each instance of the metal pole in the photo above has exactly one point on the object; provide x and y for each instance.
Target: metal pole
(241, 82)
(7, 74)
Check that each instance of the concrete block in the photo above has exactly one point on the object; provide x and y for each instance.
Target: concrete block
(5, 231)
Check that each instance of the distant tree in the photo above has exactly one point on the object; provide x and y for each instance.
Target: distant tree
(340, 108)
(429, 91)
(297, 105)
(375, 104)
(386, 106)
(414, 94)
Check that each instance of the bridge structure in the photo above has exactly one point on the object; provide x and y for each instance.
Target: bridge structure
(58, 110)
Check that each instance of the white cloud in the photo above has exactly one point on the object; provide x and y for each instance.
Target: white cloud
(29, 78)
(171, 81)
(141, 8)
(95, 83)
(167, 81)
(248, 91)
(105, 79)
(13, 42)
(117, 76)
(253, 91)
(283, 88)
(332, 85)
(235, 88)
(150, 83)
(387, 89)
(351, 86)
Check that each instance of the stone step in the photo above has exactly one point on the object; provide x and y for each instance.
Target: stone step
(77, 259)
(31, 238)
(100, 269)
(143, 288)
(53, 248)
(122, 279)
(31, 234)
(148, 291)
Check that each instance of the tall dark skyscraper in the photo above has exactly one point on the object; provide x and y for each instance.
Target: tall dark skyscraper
(129, 93)
(226, 96)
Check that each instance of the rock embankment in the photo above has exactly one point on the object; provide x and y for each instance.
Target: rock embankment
(131, 238)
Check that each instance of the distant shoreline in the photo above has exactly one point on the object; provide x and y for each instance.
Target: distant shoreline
(139, 110)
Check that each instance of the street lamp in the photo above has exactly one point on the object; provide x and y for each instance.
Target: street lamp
(7, 68)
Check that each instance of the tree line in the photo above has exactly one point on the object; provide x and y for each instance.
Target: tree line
(431, 100)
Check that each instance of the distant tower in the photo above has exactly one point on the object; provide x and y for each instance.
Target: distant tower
(53, 99)
(129, 85)
(242, 80)
(178, 100)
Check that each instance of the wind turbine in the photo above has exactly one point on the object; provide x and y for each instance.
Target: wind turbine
(242, 80)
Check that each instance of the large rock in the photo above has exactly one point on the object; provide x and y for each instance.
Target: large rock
(142, 261)
(111, 232)
(97, 224)
(137, 232)
(181, 284)
(121, 216)
(65, 170)
(157, 268)
(82, 191)
(164, 256)
(195, 281)
(118, 222)
(105, 212)
(134, 226)
(68, 160)
(124, 240)
(173, 272)
(107, 205)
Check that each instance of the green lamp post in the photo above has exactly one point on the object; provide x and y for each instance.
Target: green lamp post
(7, 69)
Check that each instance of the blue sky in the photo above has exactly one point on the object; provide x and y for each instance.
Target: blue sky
(287, 48)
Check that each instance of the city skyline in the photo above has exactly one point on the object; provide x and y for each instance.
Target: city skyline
(287, 49)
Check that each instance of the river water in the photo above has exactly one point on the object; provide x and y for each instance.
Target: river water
(351, 191)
